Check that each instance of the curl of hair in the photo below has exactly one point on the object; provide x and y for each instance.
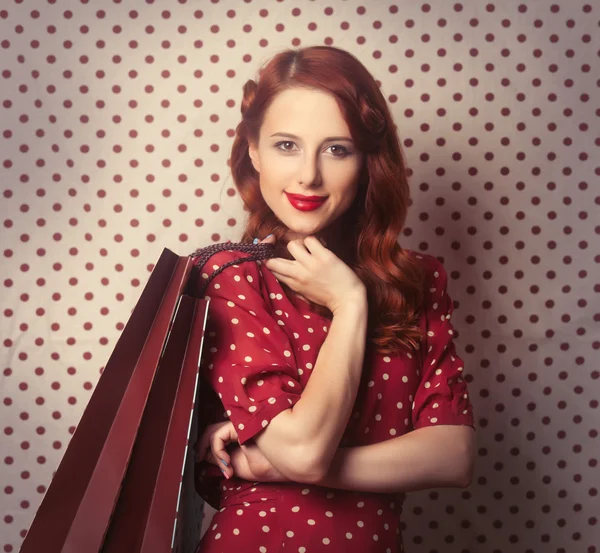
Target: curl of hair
(393, 277)
(249, 93)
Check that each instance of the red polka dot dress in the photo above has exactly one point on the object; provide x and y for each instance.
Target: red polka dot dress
(260, 349)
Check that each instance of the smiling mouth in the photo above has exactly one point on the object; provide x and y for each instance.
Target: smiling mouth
(305, 205)
(302, 198)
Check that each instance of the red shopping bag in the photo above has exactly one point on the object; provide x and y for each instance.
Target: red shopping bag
(76, 510)
(162, 463)
(126, 481)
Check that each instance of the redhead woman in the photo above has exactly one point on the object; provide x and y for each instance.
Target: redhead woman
(330, 382)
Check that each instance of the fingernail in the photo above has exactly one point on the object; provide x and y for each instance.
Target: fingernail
(269, 236)
(224, 462)
(225, 474)
(255, 241)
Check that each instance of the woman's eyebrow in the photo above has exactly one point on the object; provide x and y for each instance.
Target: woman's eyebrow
(328, 139)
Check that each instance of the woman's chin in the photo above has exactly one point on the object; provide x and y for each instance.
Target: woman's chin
(296, 232)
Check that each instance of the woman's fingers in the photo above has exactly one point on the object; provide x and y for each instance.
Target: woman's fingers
(314, 244)
(299, 250)
(280, 265)
(210, 458)
(224, 435)
(213, 441)
(303, 251)
(268, 240)
(219, 442)
(309, 255)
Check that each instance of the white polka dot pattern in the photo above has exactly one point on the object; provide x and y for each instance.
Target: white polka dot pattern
(256, 377)
(117, 122)
(248, 369)
(442, 396)
(302, 519)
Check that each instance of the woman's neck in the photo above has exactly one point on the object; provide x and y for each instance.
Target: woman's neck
(335, 238)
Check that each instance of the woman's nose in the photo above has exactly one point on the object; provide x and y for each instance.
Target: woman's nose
(309, 171)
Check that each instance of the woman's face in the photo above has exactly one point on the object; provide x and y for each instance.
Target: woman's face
(305, 148)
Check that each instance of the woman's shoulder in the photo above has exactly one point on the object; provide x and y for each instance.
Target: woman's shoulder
(425, 259)
(214, 261)
(434, 280)
(430, 265)
(229, 269)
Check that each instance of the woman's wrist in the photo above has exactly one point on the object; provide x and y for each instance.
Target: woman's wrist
(355, 300)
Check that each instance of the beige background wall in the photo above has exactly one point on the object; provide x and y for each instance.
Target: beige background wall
(117, 121)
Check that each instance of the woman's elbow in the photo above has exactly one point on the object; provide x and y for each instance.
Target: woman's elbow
(311, 470)
(302, 465)
(310, 474)
(291, 453)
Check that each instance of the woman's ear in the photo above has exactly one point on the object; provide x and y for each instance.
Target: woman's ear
(253, 153)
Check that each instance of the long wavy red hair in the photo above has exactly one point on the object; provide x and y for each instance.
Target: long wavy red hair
(393, 277)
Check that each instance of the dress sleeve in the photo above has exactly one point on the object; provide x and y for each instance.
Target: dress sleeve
(248, 359)
(442, 396)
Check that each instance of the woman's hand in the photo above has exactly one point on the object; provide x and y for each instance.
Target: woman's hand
(245, 461)
(315, 273)
(212, 444)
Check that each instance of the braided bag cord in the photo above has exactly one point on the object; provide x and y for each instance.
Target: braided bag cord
(259, 251)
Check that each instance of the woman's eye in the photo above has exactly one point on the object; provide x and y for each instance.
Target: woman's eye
(284, 142)
(340, 151)
(343, 150)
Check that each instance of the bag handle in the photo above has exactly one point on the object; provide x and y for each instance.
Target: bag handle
(259, 252)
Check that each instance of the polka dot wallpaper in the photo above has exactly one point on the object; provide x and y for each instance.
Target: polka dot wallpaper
(117, 119)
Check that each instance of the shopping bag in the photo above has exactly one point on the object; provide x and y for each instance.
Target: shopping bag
(76, 510)
(158, 495)
(158, 509)
(126, 481)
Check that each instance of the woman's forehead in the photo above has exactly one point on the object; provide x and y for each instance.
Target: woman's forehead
(306, 113)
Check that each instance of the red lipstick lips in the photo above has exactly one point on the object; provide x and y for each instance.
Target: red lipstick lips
(306, 203)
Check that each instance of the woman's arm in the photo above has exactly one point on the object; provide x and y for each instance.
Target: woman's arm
(430, 457)
(248, 362)
(301, 442)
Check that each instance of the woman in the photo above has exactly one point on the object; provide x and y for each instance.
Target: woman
(330, 378)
